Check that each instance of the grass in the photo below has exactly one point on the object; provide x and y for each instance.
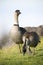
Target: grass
(11, 56)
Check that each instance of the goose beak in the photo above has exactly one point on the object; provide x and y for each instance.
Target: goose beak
(20, 12)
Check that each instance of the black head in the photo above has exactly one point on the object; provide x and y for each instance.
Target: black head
(18, 12)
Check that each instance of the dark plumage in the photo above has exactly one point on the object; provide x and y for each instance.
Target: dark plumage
(33, 38)
(36, 39)
(22, 30)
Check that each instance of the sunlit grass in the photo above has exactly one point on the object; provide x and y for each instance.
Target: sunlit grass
(12, 56)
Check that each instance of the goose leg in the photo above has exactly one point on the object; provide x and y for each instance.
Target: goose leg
(24, 48)
(29, 50)
(33, 51)
(20, 48)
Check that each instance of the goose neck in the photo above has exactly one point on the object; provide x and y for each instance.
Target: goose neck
(16, 19)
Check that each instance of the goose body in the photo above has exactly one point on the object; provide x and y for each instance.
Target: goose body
(32, 38)
(16, 34)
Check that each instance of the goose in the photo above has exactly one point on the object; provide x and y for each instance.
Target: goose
(16, 31)
(31, 39)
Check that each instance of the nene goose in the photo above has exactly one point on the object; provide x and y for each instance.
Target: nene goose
(30, 39)
(17, 32)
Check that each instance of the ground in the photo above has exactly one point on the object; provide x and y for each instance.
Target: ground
(11, 56)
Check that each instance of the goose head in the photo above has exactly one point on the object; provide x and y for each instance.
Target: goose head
(17, 12)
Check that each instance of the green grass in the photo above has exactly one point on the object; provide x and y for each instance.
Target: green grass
(11, 56)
